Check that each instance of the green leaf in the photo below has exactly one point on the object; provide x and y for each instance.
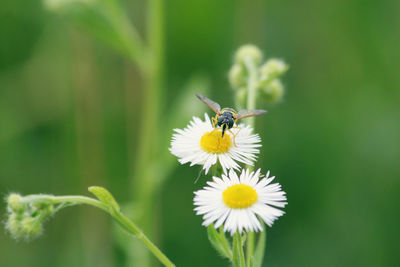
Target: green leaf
(104, 196)
(260, 248)
(219, 242)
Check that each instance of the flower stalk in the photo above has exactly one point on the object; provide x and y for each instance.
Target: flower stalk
(145, 179)
(35, 209)
(238, 254)
(249, 79)
(237, 201)
(109, 22)
(251, 67)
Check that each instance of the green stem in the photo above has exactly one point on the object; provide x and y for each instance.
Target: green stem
(250, 249)
(133, 229)
(252, 70)
(153, 78)
(252, 83)
(238, 254)
(121, 219)
(147, 177)
(69, 200)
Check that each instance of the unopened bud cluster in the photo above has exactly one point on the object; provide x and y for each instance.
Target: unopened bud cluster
(25, 220)
(268, 73)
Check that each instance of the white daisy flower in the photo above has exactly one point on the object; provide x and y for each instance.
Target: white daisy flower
(239, 202)
(200, 143)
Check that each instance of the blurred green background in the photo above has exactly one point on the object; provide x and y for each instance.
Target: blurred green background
(333, 142)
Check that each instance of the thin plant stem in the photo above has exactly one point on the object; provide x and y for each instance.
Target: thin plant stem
(89, 144)
(238, 254)
(153, 78)
(251, 104)
(146, 176)
(250, 249)
(121, 219)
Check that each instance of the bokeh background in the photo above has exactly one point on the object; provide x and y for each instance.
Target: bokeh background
(70, 110)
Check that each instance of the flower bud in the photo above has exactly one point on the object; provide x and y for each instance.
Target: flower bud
(251, 51)
(32, 227)
(44, 209)
(273, 92)
(272, 69)
(15, 204)
(14, 226)
(237, 76)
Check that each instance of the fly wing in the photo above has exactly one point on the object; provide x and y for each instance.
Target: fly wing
(211, 104)
(244, 113)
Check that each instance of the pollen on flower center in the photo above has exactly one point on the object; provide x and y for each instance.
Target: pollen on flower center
(213, 142)
(239, 196)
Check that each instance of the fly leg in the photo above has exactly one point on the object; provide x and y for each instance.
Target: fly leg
(234, 135)
(214, 121)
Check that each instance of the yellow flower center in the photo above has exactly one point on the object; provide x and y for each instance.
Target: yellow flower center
(213, 142)
(239, 196)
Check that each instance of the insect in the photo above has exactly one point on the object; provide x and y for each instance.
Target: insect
(227, 117)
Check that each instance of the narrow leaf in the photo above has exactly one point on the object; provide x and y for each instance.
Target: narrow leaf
(225, 242)
(218, 242)
(260, 248)
(104, 196)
